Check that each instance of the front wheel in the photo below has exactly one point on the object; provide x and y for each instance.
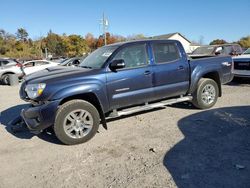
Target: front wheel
(206, 94)
(5, 79)
(77, 121)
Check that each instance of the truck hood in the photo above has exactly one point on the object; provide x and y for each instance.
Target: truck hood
(55, 73)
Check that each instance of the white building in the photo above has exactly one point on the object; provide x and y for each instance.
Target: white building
(188, 46)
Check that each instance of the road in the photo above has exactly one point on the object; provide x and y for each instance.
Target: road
(177, 146)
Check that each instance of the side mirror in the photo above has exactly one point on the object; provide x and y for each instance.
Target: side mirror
(217, 53)
(117, 64)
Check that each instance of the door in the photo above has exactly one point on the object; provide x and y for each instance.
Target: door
(132, 84)
(35, 66)
(170, 70)
(29, 67)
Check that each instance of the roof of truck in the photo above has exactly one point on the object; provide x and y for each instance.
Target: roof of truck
(141, 40)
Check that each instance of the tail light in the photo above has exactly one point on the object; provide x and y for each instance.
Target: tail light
(19, 65)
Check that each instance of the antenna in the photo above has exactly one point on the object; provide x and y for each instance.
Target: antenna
(104, 23)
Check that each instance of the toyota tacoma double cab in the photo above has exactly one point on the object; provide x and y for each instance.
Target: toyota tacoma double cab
(117, 80)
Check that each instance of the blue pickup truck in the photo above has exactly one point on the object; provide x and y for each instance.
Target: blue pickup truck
(116, 80)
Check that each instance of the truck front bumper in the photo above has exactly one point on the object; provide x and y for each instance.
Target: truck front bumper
(38, 118)
(242, 73)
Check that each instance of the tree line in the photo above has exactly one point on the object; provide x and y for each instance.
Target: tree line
(244, 42)
(21, 46)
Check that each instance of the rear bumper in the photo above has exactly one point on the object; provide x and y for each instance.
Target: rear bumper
(38, 118)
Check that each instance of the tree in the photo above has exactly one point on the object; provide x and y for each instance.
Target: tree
(135, 37)
(245, 42)
(76, 46)
(54, 43)
(100, 41)
(22, 34)
(91, 41)
(218, 41)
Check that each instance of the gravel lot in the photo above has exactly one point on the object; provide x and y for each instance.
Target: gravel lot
(177, 146)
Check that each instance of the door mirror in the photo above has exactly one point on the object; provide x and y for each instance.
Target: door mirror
(218, 50)
(117, 64)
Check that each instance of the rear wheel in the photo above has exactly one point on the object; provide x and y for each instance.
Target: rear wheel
(206, 94)
(77, 121)
(5, 79)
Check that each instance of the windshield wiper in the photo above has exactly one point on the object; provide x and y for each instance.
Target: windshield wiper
(87, 67)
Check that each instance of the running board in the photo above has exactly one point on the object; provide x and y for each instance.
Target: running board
(147, 106)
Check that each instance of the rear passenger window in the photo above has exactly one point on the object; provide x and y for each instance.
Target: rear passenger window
(165, 52)
(38, 63)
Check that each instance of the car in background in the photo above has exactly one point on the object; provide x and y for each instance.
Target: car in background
(214, 50)
(241, 68)
(57, 59)
(7, 67)
(30, 67)
(247, 52)
(72, 62)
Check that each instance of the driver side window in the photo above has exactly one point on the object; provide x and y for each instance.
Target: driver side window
(133, 56)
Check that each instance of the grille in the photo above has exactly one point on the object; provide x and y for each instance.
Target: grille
(242, 65)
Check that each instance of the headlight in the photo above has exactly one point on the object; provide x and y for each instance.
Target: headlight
(35, 90)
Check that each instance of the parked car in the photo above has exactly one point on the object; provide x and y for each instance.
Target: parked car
(242, 66)
(72, 62)
(214, 50)
(7, 67)
(247, 52)
(30, 67)
(116, 80)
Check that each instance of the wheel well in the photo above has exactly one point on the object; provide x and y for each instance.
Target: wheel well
(89, 97)
(214, 76)
(7, 73)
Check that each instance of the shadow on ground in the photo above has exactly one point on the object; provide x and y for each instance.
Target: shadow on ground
(240, 82)
(11, 113)
(215, 151)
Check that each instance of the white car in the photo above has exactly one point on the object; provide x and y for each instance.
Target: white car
(30, 67)
(247, 52)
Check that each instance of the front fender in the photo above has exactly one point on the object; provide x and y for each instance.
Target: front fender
(78, 89)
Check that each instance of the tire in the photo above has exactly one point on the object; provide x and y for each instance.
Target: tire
(76, 122)
(5, 79)
(206, 94)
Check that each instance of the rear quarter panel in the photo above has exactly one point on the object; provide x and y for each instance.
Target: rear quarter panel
(200, 67)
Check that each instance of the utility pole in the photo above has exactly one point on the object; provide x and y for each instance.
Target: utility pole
(104, 23)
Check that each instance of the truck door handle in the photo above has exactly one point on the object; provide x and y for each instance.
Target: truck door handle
(147, 73)
(180, 67)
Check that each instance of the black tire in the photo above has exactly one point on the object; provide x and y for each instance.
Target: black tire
(198, 100)
(5, 79)
(62, 114)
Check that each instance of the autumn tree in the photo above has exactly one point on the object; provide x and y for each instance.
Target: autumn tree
(218, 41)
(100, 41)
(90, 41)
(245, 42)
(76, 46)
(54, 43)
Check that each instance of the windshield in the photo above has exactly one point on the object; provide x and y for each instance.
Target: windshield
(98, 57)
(204, 50)
(247, 51)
